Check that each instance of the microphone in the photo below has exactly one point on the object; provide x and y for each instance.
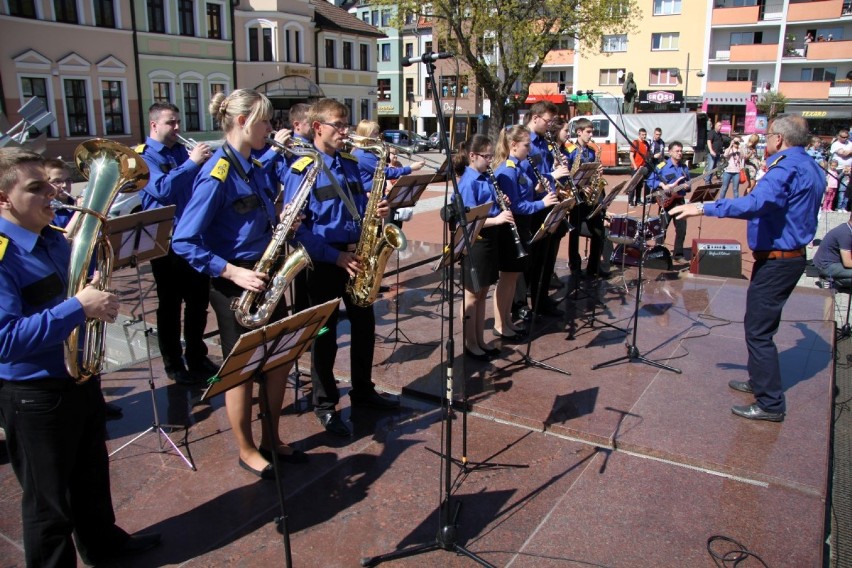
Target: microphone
(587, 93)
(427, 57)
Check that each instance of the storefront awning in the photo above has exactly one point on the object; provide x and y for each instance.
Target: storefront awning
(820, 112)
(291, 87)
(727, 99)
(558, 99)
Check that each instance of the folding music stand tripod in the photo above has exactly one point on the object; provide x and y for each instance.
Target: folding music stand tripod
(136, 238)
(262, 350)
(704, 193)
(405, 193)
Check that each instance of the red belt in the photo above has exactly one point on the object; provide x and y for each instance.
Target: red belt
(776, 254)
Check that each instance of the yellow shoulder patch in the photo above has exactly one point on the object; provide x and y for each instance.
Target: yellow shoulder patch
(510, 164)
(570, 147)
(661, 165)
(139, 149)
(4, 242)
(348, 156)
(220, 170)
(775, 163)
(302, 163)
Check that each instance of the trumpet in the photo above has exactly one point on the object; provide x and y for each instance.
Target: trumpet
(358, 141)
(190, 143)
(294, 146)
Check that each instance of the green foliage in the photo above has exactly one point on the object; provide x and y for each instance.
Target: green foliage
(771, 104)
(504, 42)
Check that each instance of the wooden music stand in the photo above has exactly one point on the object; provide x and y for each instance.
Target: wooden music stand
(264, 349)
(134, 239)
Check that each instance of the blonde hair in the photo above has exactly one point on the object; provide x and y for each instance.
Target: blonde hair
(516, 134)
(368, 128)
(753, 140)
(242, 102)
(324, 109)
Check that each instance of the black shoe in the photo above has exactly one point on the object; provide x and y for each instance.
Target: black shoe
(266, 473)
(294, 457)
(754, 412)
(477, 356)
(522, 314)
(742, 386)
(517, 336)
(493, 353)
(180, 375)
(203, 369)
(373, 400)
(333, 424)
(555, 282)
(113, 411)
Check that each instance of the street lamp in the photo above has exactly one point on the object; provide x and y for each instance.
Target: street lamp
(677, 73)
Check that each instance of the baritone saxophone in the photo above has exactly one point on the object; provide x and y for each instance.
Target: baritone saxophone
(253, 309)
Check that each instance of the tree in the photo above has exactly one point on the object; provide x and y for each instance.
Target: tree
(771, 104)
(505, 42)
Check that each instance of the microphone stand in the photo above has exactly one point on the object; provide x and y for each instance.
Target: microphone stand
(447, 535)
(633, 353)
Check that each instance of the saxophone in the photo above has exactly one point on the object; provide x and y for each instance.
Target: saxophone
(563, 190)
(253, 309)
(377, 240)
(502, 203)
(596, 186)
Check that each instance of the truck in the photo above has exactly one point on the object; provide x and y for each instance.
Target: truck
(681, 127)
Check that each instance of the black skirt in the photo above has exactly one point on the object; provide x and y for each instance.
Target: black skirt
(483, 257)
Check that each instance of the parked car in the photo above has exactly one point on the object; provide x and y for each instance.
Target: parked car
(434, 141)
(406, 139)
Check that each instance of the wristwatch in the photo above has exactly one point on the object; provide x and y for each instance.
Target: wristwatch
(700, 207)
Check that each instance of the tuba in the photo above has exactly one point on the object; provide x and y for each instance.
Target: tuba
(253, 309)
(377, 240)
(111, 168)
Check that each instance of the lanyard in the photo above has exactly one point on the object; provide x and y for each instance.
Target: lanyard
(346, 196)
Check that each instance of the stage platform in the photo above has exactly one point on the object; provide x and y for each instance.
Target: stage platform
(627, 466)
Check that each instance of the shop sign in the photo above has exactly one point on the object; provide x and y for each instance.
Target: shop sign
(387, 108)
(661, 97)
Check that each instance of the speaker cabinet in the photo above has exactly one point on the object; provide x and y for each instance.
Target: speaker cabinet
(717, 257)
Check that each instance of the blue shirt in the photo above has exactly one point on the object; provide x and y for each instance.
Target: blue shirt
(475, 189)
(782, 208)
(367, 162)
(328, 222)
(668, 173)
(172, 174)
(35, 316)
(586, 154)
(518, 187)
(227, 218)
(540, 157)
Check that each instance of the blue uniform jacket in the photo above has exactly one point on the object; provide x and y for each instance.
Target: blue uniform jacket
(35, 316)
(518, 186)
(668, 173)
(227, 218)
(328, 223)
(782, 208)
(475, 189)
(172, 174)
(587, 155)
(367, 164)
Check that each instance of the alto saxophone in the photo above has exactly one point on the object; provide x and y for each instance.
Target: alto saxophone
(378, 239)
(563, 190)
(253, 309)
(597, 184)
(503, 204)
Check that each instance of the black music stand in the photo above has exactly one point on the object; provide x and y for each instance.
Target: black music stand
(583, 177)
(136, 238)
(262, 350)
(405, 193)
(704, 193)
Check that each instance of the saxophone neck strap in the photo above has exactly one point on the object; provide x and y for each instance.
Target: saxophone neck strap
(345, 196)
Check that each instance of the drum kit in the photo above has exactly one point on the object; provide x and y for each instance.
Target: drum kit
(638, 240)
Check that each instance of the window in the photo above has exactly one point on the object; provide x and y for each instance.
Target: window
(409, 49)
(214, 21)
(665, 41)
(366, 17)
(742, 75)
(410, 18)
(350, 105)
(36, 87)
(365, 57)
(297, 45)
(104, 13)
(600, 128)
(113, 107)
(666, 7)
(292, 45)
(156, 17)
(819, 74)
(427, 47)
(365, 109)
(162, 92)
(611, 77)
(76, 107)
(66, 11)
(746, 38)
(260, 42)
(186, 17)
(386, 51)
(386, 18)
(329, 53)
(448, 87)
(347, 56)
(614, 43)
(744, 3)
(22, 8)
(565, 42)
(662, 77)
(191, 107)
(383, 88)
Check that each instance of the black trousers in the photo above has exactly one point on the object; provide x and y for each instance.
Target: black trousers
(178, 283)
(55, 435)
(596, 230)
(328, 282)
(542, 259)
(772, 282)
(680, 229)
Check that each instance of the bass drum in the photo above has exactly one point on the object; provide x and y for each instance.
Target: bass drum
(657, 257)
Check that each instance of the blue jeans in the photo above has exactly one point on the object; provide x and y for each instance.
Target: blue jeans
(842, 185)
(710, 165)
(733, 179)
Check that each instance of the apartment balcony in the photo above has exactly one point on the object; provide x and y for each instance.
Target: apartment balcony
(823, 50)
(841, 88)
(756, 52)
(729, 87)
(559, 57)
(815, 10)
(805, 89)
(730, 16)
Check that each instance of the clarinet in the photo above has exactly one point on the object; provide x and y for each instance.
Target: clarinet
(502, 203)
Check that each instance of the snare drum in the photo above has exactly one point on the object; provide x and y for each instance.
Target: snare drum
(653, 228)
(623, 230)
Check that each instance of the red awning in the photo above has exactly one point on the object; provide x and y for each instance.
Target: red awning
(558, 99)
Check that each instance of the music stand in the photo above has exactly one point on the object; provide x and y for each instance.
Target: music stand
(262, 350)
(405, 193)
(704, 193)
(583, 177)
(136, 238)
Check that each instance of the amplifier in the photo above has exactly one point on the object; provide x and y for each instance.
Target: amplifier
(717, 257)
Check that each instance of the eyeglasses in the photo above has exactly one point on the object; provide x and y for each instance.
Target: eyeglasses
(768, 134)
(340, 126)
(844, 137)
(60, 181)
(488, 157)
